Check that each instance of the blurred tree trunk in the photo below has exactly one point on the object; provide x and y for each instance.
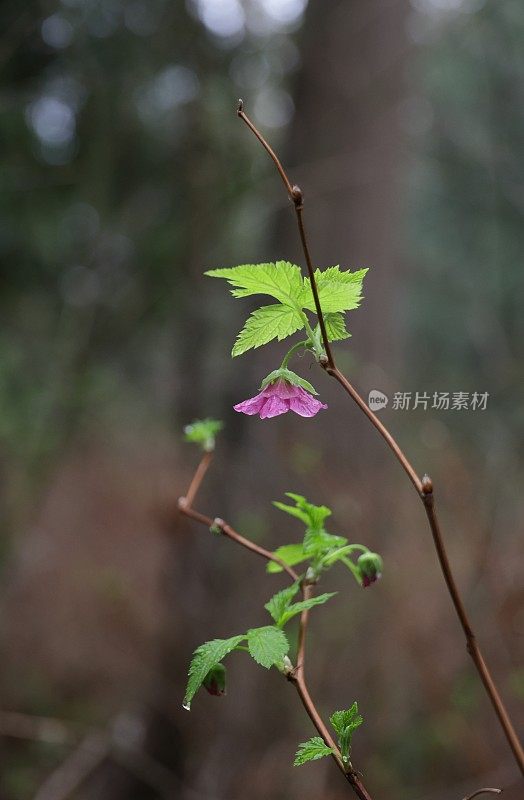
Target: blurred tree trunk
(346, 143)
(346, 150)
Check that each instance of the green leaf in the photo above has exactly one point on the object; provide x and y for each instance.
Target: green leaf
(304, 605)
(311, 750)
(336, 327)
(282, 280)
(294, 512)
(290, 554)
(337, 290)
(345, 724)
(341, 720)
(290, 377)
(203, 432)
(311, 515)
(316, 514)
(267, 645)
(205, 657)
(265, 324)
(318, 542)
(280, 601)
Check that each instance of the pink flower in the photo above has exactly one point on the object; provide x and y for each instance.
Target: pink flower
(279, 398)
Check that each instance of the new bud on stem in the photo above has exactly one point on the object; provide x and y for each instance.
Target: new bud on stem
(370, 566)
(215, 680)
(217, 526)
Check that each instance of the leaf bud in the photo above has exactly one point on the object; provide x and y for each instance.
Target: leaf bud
(370, 566)
(215, 680)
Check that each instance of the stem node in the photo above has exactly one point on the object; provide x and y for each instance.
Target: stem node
(427, 485)
(297, 197)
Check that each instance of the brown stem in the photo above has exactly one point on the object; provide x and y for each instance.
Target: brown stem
(406, 466)
(424, 489)
(471, 642)
(299, 682)
(198, 477)
(296, 676)
(423, 486)
(307, 592)
(295, 195)
(232, 534)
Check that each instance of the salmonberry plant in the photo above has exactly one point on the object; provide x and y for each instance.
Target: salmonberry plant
(312, 308)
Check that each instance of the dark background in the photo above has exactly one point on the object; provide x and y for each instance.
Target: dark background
(125, 173)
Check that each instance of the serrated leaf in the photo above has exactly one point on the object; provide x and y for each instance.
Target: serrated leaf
(290, 554)
(312, 516)
(267, 645)
(265, 324)
(294, 512)
(282, 280)
(316, 514)
(205, 657)
(337, 275)
(337, 290)
(336, 327)
(318, 542)
(298, 498)
(280, 602)
(341, 720)
(311, 750)
(345, 724)
(304, 605)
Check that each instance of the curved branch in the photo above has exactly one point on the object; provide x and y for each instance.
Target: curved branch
(295, 194)
(232, 534)
(423, 486)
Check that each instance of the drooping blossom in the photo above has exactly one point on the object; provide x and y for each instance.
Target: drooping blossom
(370, 566)
(278, 398)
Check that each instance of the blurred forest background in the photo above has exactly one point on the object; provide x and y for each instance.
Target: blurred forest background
(124, 174)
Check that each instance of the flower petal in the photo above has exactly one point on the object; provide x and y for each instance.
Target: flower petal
(305, 404)
(273, 407)
(251, 406)
(281, 389)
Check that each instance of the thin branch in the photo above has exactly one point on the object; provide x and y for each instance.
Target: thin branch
(295, 195)
(295, 676)
(423, 486)
(266, 146)
(483, 791)
(298, 678)
(307, 592)
(361, 403)
(198, 477)
(232, 534)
